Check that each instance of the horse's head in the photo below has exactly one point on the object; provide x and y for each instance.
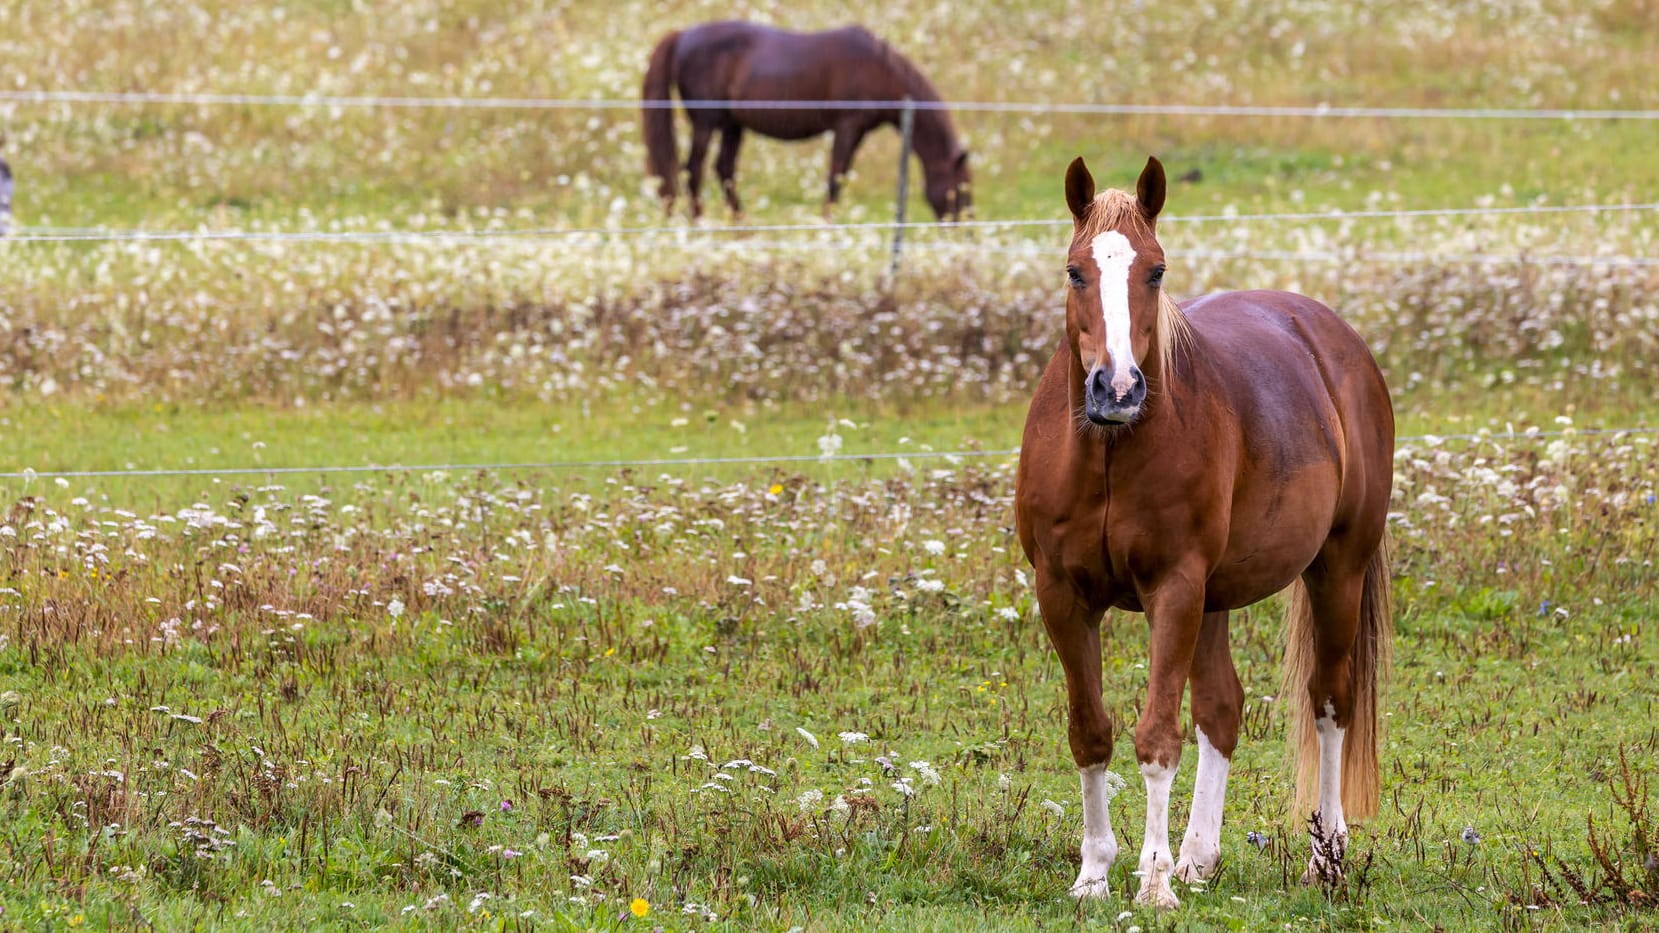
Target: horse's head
(1115, 311)
(950, 187)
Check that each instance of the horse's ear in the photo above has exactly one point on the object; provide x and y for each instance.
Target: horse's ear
(1149, 191)
(1079, 189)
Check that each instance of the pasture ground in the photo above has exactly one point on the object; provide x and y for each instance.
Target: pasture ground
(791, 694)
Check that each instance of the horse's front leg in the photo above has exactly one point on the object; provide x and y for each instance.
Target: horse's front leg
(725, 165)
(1217, 702)
(1074, 630)
(1174, 610)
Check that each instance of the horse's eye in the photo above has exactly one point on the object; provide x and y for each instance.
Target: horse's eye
(1156, 278)
(1076, 277)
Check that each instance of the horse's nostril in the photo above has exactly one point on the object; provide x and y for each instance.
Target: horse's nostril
(1099, 386)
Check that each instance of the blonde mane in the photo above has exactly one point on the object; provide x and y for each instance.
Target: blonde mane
(1114, 209)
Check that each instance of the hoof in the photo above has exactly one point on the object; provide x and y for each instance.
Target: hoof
(1191, 871)
(1159, 896)
(1090, 887)
(1321, 873)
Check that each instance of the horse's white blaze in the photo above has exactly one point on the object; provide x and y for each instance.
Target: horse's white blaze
(1100, 846)
(1114, 255)
(1330, 774)
(1156, 863)
(1202, 844)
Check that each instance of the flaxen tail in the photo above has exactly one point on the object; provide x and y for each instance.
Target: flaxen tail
(660, 157)
(1368, 668)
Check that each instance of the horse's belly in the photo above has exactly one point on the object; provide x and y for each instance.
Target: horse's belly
(1275, 538)
(788, 125)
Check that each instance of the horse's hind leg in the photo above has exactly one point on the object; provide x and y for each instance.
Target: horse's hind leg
(700, 133)
(1217, 700)
(1334, 606)
(725, 166)
(1075, 633)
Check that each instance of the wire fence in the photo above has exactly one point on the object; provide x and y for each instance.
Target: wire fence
(1305, 111)
(444, 237)
(757, 460)
(708, 237)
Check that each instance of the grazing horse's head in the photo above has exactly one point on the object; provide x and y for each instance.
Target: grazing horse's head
(950, 186)
(1116, 313)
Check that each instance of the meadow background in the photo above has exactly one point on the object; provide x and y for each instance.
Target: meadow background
(807, 693)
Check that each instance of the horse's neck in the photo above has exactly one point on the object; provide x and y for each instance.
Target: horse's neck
(933, 138)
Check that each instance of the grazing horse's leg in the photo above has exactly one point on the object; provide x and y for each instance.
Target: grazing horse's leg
(725, 166)
(1334, 599)
(1075, 633)
(1175, 610)
(1217, 700)
(848, 134)
(700, 133)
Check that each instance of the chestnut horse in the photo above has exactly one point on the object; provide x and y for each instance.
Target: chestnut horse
(739, 62)
(1183, 461)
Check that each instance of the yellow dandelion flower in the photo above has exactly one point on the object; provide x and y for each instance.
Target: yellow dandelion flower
(776, 488)
(640, 907)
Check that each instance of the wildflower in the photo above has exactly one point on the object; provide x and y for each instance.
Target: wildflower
(639, 907)
(394, 608)
(829, 445)
(1471, 836)
(929, 774)
(934, 547)
(853, 738)
(1054, 808)
(811, 739)
(1008, 614)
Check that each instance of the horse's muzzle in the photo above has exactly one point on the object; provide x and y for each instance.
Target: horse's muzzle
(1101, 403)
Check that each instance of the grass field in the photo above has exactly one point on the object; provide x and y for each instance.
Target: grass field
(455, 689)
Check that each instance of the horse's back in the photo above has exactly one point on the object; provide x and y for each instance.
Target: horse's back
(766, 50)
(1280, 342)
(742, 61)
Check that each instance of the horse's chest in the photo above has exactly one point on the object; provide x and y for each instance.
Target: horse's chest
(1083, 554)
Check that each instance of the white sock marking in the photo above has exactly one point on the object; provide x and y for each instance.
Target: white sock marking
(1202, 845)
(1330, 776)
(1114, 255)
(1156, 863)
(1100, 846)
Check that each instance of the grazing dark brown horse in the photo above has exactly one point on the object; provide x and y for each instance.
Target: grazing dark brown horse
(1185, 461)
(739, 62)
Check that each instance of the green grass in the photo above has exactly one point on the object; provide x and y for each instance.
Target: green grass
(342, 743)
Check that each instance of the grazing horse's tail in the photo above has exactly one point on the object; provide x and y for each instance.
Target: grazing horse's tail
(660, 158)
(1367, 667)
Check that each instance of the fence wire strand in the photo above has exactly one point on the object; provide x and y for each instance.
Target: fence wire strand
(353, 101)
(621, 464)
(442, 237)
